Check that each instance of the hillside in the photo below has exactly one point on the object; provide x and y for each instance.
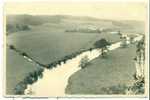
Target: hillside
(44, 38)
(72, 22)
(114, 71)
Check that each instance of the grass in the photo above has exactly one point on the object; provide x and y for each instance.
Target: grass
(16, 70)
(47, 41)
(48, 45)
(44, 45)
(117, 69)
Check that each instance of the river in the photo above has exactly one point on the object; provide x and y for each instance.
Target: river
(55, 80)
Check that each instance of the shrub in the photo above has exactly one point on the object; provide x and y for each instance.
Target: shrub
(19, 89)
(12, 47)
(138, 87)
(59, 62)
(53, 64)
(29, 80)
(35, 76)
(32, 77)
(24, 54)
(25, 27)
(84, 62)
(49, 66)
(90, 49)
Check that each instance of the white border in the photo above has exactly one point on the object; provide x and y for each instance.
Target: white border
(2, 43)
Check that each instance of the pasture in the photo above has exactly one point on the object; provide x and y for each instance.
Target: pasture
(48, 45)
(16, 70)
(117, 69)
(46, 41)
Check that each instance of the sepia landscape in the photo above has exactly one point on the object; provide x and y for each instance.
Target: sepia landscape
(63, 54)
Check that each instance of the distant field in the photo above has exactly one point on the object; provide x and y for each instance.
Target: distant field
(16, 69)
(128, 26)
(117, 69)
(47, 46)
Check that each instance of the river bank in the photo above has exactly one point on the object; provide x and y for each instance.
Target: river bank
(57, 78)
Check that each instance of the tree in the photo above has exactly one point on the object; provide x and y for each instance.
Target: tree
(40, 72)
(19, 88)
(140, 59)
(102, 43)
(84, 61)
(141, 44)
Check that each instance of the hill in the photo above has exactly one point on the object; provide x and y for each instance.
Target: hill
(72, 22)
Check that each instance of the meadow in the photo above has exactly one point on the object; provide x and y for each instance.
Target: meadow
(17, 68)
(117, 69)
(46, 41)
(47, 47)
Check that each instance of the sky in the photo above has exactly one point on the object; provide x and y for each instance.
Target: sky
(104, 10)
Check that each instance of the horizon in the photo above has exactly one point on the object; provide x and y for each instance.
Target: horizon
(95, 18)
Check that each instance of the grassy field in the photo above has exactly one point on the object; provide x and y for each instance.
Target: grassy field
(46, 45)
(117, 69)
(16, 70)
(46, 40)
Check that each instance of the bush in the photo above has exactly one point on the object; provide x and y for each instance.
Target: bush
(90, 49)
(19, 89)
(12, 47)
(84, 62)
(59, 62)
(24, 54)
(25, 27)
(32, 77)
(49, 66)
(29, 80)
(138, 87)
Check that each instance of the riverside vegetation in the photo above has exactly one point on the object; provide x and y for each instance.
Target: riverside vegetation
(37, 44)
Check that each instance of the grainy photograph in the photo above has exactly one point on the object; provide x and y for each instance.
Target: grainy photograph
(76, 49)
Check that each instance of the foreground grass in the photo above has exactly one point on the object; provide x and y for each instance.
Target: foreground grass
(16, 70)
(115, 70)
